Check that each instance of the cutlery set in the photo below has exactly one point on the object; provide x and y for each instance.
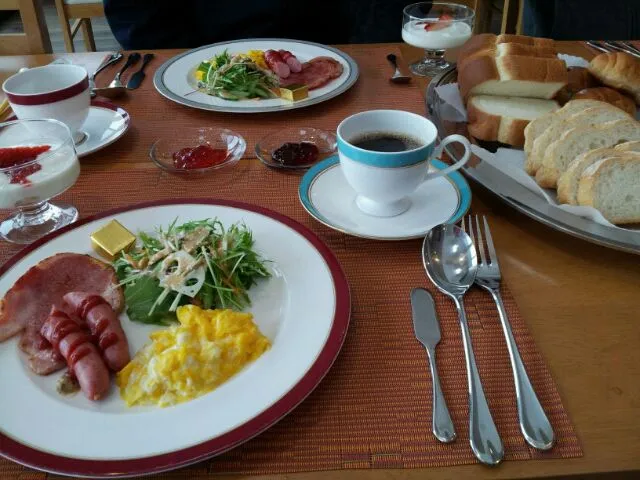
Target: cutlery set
(450, 256)
(608, 46)
(116, 87)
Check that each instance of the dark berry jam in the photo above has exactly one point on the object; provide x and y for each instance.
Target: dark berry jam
(296, 154)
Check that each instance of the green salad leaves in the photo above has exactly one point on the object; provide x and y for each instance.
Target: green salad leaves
(198, 262)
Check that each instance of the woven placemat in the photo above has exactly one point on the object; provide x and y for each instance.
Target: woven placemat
(373, 410)
(153, 116)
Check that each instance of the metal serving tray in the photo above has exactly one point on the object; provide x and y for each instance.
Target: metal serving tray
(514, 194)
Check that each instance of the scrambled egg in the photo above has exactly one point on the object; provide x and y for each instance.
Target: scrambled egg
(257, 57)
(192, 358)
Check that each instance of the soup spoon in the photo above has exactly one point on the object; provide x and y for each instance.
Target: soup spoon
(449, 257)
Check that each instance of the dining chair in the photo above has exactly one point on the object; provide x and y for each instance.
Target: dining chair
(511, 15)
(35, 36)
(81, 11)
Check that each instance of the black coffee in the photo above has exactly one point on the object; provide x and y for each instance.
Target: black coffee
(385, 142)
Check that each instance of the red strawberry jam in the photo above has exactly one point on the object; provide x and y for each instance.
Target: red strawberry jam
(202, 156)
(16, 156)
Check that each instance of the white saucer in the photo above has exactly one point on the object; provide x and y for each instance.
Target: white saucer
(105, 124)
(326, 195)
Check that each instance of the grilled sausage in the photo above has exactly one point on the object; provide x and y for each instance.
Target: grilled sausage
(293, 63)
(82, 357)
(104, 325)
(277, 64)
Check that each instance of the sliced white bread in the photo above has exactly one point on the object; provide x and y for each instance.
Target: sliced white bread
(568, 181)
(512, 76)
(613, 187)
(590, 116)
(504, 49)
(579, 140)
(503, 119)
(539, 125)
(628, 146)
(489, 41)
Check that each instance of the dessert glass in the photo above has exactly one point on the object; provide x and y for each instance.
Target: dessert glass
(27, 185)
(435, 27)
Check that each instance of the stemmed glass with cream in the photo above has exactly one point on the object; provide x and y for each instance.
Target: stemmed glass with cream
(435, 27)
(38, 161)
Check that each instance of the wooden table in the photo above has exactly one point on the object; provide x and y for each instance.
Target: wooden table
(581, 304)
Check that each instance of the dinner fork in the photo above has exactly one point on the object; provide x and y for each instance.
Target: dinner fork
(623, 47)
(534, 423)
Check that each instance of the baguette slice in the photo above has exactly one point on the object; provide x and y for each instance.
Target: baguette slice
(613, 187)
(628, 146)
(504, 119)
(512, 76)
(609, 95)
(579, 140)
(588, 117)
(618, 70)
(569, 180)
(539, 125)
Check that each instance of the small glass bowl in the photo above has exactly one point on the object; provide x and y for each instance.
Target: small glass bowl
(325, 141)
(162, 150)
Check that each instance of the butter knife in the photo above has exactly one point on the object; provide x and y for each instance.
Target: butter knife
(136, 79)
(427, 330)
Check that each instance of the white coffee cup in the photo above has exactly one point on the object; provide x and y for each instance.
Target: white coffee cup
(54, 91)
(383, 181)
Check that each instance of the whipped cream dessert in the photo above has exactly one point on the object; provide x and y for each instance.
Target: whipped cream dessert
(450, 36)
(52, 173)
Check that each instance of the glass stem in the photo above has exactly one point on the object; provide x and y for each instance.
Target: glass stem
(33, 214)
(436, 56)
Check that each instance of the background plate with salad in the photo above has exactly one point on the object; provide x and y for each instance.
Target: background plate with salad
(177, 79)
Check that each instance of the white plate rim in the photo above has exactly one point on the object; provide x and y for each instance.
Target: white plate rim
(53, 463)
(158, 80)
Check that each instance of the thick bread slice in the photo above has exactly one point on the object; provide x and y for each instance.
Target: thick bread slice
(618, 70)
(503, 119)
(512, 76)
(628, 146)
(568, 181)
(539, 125)
(590, 116)
(504, 49)
(609, 95)
(613, 187)
(487, 41)
(579, 140)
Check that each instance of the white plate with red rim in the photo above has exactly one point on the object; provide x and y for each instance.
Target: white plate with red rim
(175, 79)
(304, 311)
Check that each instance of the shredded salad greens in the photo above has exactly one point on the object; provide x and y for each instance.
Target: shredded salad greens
(237, 77)
(198, 262)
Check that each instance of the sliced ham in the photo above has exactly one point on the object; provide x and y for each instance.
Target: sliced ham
(26, 306)
(315, 73)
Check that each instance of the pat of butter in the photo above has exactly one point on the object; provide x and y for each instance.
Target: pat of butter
(111, 239)
(293, 93)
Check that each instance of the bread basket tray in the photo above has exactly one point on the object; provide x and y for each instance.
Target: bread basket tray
(516, 195)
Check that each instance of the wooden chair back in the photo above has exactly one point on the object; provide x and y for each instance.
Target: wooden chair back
(35, 38)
